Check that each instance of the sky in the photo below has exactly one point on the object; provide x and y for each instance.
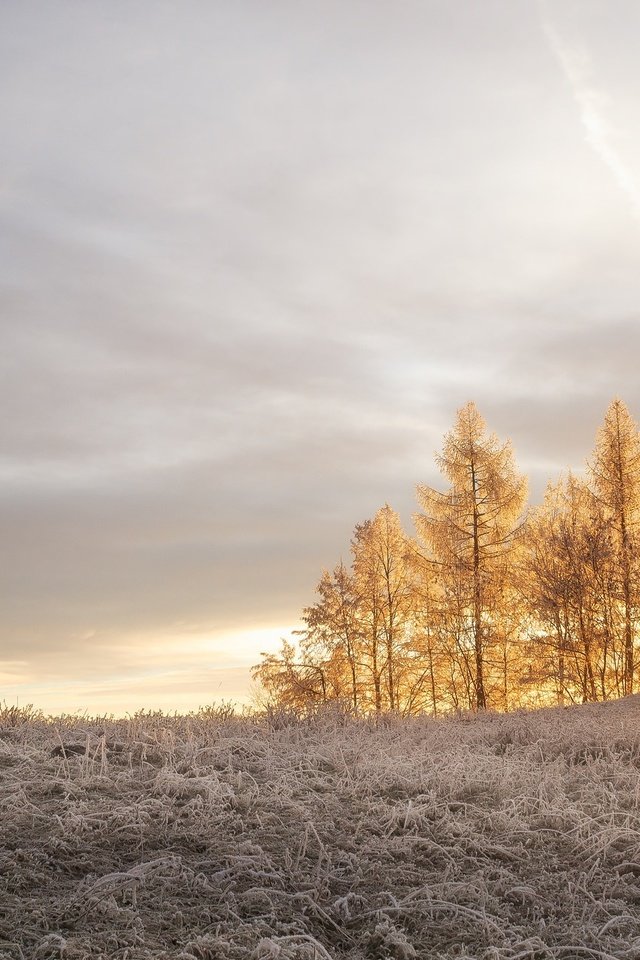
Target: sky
(254, 255)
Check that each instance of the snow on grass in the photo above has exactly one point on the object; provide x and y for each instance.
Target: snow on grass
(211, 837)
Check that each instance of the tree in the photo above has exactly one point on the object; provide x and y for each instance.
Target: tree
(567, 582)
(292, 681)
(471, 530)
(333, 628)
(429, 687)
(385, 601)
(615, 475)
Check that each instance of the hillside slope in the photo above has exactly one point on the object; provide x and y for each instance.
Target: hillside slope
(495, 837)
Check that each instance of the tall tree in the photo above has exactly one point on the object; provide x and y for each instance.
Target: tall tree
(568, 583)
(472, 529)
(383, 583)
(615, 474)
(429, 679)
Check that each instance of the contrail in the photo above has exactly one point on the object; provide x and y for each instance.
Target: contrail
(576, 66)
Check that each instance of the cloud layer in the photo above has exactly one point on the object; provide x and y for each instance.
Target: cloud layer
(254, 257)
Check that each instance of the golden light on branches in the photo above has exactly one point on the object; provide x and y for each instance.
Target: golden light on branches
(490, 606)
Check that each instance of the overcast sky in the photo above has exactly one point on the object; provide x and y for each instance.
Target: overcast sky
(254, 257)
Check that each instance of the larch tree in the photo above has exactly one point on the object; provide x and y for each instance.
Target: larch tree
(368, 591)
(615, 476)
(471, 530)
(567, 582)
(429, 689)
(381, 569)
(333, 630)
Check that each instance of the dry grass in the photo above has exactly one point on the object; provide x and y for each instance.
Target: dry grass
(202, 837)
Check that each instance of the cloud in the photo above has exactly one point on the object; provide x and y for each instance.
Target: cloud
(577, 66)
(248, 281)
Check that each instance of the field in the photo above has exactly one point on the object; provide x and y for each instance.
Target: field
(211, 837)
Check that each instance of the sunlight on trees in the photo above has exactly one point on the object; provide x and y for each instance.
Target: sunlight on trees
(471, 531)
(615, 476)
(490, 606)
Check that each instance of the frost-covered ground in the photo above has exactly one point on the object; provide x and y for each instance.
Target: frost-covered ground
(497, 837)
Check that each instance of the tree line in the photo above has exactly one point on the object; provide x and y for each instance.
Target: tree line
(490, 604)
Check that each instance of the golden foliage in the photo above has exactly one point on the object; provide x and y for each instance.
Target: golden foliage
(490, 606)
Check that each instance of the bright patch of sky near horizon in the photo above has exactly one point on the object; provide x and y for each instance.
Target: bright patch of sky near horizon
(254, 258)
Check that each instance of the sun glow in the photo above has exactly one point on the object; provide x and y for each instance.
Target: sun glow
(178, 671)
